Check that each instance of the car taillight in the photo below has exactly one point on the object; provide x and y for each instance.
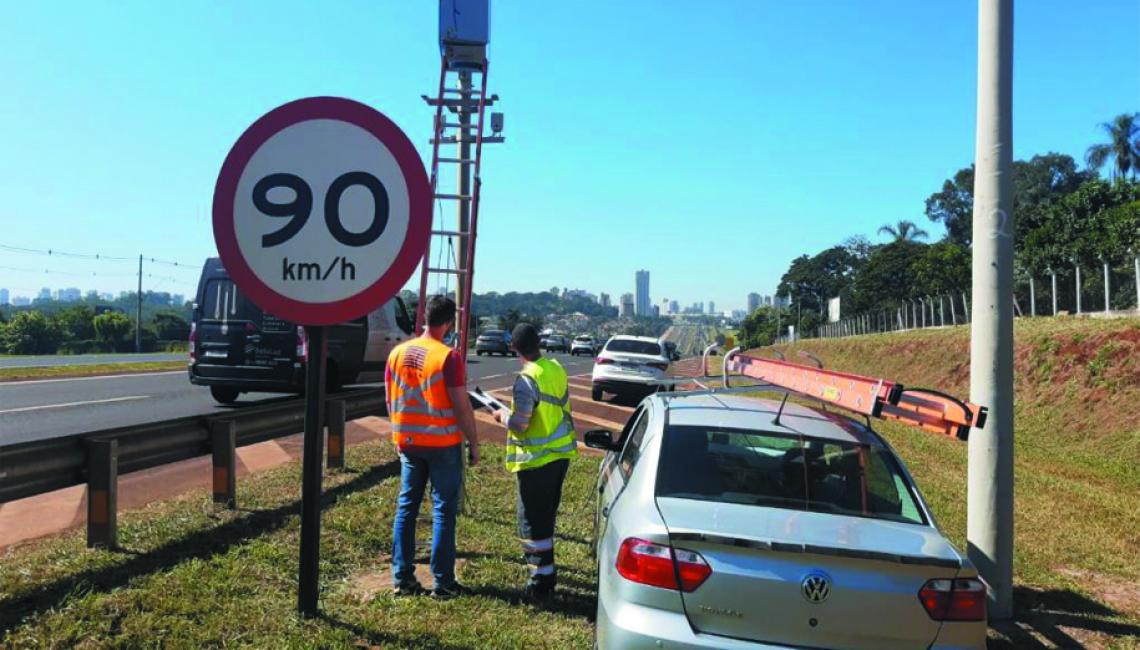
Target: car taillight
(653, 564)
(601, 361)
(193, 331)
(961, 599)
(302, 344)
(659, 366)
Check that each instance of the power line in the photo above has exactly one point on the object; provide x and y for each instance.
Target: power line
(95, 256)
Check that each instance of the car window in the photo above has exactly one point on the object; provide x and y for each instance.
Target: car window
(632, 450)
(635, 347)
(781, 471)
(493, 334)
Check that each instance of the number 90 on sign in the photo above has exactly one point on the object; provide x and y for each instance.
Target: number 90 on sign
(299, 209)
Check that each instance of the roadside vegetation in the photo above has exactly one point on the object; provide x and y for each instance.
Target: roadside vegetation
(1078, 462)
(193, 576)
(57, 327)
(88, 370)
(1064, 216)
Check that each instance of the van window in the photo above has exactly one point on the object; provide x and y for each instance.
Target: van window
(403, 321)
(222, 301)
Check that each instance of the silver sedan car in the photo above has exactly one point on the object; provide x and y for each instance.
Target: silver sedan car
(723, 522)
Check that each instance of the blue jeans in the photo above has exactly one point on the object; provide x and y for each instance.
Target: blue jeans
(444, 466)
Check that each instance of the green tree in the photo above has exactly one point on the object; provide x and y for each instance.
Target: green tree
(812, 280)
(1038, 182)
(904, 231)
(77, 323)
(942, 268)
(30, 332)
(888, 278)
(111, 327)
(1123, 146)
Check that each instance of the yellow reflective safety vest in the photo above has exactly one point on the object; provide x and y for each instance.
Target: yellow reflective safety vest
(550, 435)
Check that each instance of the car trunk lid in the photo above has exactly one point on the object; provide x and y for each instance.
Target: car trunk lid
(809, 579)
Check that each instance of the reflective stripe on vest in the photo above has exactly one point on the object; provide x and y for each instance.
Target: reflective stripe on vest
(550, 434)
(422, 413)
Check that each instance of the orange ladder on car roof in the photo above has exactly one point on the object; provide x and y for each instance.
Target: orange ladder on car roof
(879, 398)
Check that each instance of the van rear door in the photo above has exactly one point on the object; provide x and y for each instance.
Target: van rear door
(232, 331)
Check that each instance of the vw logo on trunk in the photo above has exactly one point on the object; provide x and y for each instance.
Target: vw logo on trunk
(816, 588)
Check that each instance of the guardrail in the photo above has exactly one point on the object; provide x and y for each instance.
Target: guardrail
(97, 458)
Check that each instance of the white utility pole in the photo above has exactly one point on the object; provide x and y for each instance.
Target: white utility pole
(1107, 294)
(1054, 274)
(1032, 297)
(1077, 266)
(1136, 262)
(989, 527)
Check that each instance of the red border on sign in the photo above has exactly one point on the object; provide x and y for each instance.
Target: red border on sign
(419, 210)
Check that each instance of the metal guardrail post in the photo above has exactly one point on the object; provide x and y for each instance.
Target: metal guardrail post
(336, 419)
(102, 493)
(223, 444)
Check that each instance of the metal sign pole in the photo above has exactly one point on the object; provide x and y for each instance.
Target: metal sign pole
(309, 571)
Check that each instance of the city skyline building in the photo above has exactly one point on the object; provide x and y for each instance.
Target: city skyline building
(642, 304)
(627, 310)
(753, 302)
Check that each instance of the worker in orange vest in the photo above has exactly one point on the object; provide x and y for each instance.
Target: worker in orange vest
(427, 401)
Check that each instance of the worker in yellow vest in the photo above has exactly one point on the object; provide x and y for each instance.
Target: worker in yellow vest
(540, 444)
(427, 402)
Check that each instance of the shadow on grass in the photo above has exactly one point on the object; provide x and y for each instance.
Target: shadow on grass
(379, 639)
(202, 544)
(1041, 614)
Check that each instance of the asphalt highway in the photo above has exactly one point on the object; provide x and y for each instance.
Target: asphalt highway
(49, 408)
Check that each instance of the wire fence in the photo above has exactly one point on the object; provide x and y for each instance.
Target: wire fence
(1061, 293)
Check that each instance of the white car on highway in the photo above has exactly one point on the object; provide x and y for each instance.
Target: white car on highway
(629, 365)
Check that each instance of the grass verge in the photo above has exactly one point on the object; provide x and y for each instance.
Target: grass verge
(88, 370)
(193, 576)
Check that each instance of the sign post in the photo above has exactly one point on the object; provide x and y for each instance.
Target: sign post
(322, 211)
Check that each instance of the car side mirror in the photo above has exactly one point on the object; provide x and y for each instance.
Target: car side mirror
(676, 356)
(601, 439)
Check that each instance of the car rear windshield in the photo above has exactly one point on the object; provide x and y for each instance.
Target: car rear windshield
(636, 347)
(582, 339)
(493, 334)
(780, 471)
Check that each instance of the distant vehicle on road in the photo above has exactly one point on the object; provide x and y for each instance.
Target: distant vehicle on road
(555, 343)
(629, 365)
(585, 344)
(719, 526)
(235, 347)
(494, 342)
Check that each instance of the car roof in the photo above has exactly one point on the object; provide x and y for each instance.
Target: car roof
(626, 337)
(759, 413)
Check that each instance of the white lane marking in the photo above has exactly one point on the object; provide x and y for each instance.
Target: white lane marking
(52, 381)
(59, 406)
(493, 376)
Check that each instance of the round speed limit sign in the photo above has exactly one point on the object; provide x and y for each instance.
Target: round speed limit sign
(322, 211)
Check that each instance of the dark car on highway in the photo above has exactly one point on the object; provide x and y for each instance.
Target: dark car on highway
(494, 342)
(235, 347)
(556, 343)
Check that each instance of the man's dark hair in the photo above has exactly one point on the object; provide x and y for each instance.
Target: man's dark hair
(440, 311)
(524, 338)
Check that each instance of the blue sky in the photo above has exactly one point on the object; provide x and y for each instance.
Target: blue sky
(710, 143)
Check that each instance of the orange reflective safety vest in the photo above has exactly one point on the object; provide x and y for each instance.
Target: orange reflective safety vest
(422, 414)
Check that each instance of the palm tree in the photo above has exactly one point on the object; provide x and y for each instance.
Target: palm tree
(1123, 146)
(904, 231)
